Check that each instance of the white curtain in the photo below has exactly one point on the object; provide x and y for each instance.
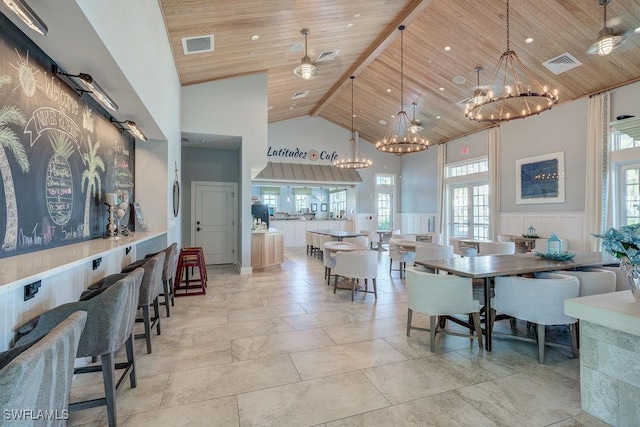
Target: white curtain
(597, 186)
(442, 224)
(493, 142)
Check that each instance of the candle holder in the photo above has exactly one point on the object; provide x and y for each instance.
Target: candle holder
(112, 228)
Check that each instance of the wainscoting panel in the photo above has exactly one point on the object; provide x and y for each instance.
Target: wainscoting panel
(569, 226)
(412, 223)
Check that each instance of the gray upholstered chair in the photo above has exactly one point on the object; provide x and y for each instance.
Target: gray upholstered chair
(38, 375)
(149, 294)
(168, 273)
(110, 319)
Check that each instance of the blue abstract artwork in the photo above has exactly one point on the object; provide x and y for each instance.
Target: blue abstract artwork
(540, 179)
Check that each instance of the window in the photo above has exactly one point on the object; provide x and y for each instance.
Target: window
(468, 199)
(302, 203)
(625, 179)
(385, 195)
(338, 202)
(622, 141)
(630, 194)
(271, 201)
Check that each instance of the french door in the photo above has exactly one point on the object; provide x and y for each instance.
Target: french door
(630, 194)
(469, 213)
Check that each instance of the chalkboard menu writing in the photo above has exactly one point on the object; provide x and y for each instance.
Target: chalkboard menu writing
(59, 154)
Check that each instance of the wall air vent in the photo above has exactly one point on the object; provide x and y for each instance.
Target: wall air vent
(328, 55)
(197, 44)
(299, 95)
(562, 63)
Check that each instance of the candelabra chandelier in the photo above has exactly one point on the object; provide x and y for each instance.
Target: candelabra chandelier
(518, 93)
(399, 140)
(352, 159)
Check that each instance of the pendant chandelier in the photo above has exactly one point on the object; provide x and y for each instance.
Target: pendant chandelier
(306, 69)
(352, 159)
(512, 93)
(399, 140)
(607, 41)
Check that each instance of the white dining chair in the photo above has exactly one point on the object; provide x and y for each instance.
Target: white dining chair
(496, 248)
(429, 252)
(538, 300)
(402, 257)
(372, 235)
(436, 238)
(441, 295)
(593, 281)
(308, 237)
(622, 282)
(359, 240)
(356, 266)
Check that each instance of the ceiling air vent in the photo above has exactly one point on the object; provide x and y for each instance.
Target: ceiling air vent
(299, 95)
(562, 63)
(198, 44)
(328, 55)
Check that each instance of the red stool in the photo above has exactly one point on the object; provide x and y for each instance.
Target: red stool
(194, 258)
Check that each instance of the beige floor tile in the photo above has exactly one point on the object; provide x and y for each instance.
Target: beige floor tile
(441, 410)
(183, 358)
(538, 397)
(414, 379)
(295, 298)
(311, 320)
(271, 345)
(226, 332)
(310, 402)
(200, 384)
(581, 420)
(368, 330)
(221, 412)
(244, 315)
(344, 358)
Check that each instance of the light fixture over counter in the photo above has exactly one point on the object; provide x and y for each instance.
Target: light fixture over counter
(27, 15)
(512, 91)
(607, 40)
(132, 127)
(398, 139)
(306, 69)
(91, 87)
(352, 159)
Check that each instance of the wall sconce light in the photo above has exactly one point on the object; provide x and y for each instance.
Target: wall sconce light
(132, 127)
(27, 15)
(91, 85)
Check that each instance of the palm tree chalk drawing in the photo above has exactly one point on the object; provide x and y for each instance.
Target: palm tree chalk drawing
(92, 177)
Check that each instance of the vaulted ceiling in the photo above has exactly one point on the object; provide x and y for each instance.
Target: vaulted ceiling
(443, 39)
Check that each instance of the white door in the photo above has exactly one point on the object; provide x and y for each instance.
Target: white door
(213, 220)
(469, 211)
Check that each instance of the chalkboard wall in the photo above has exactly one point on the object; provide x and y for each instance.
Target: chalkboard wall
(59, 154)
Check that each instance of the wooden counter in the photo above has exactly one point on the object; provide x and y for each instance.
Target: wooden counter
(267, 249)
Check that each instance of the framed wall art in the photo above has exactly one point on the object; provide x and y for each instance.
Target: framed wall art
(540, 179)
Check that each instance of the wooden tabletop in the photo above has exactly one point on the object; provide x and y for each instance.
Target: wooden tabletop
(507, 265)
(345, 247)
(336, 233)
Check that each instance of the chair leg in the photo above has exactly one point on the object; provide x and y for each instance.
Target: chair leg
(156, 311)
(353, 288)
(409, 316)
(492, 318)
(433, 326)
(147, 327)
(165, 285)
(573, 331)
(375, 289)
(329, 277)
(108, 375)
(476, 324)
(131, 359)
(541, 344)
(173, 300)
(335, 283)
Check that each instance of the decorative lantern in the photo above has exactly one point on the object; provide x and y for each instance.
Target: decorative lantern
(554, 245)
(531, 231)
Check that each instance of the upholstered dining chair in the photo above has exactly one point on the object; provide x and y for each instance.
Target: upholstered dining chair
(110, 319)
(496, 248)
(538, 300)
(402, 257)
(149, 294)
(357, 265)
(429, 252)
(593, 281)
(316, 248)
(322, 239)
(329, 259)
(358, 240)
(441, 295)
(38, 376)
(372, 235)
(308, 238)
(622, 282)
(168, 273)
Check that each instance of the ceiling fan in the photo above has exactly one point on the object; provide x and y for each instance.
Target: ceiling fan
(415, 124)
(607, 40)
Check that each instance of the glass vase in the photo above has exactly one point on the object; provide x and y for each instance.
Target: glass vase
(633, 276)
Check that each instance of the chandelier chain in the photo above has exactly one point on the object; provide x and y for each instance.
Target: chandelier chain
(352, 130)
(508, 48)
(402, 67)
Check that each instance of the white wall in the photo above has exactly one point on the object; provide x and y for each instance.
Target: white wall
(235, 107)
(419, 182)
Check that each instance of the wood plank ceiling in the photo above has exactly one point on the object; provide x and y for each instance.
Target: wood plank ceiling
(366, 35)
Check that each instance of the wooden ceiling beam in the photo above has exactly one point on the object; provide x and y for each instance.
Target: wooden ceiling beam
(378, 46)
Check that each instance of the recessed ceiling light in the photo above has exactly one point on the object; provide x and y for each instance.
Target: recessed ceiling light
(441, 89)
(637, 30)
(357, 15)
(529, 40)
(350, 24)
(296, 47)
(393, 116)
(447, 48)
(388, 90)
(459, 80)
(270, 107)
(291, 108)
(255, 37)
(437, 117)
(382, 122)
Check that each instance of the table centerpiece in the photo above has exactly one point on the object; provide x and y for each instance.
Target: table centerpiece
(624, 244)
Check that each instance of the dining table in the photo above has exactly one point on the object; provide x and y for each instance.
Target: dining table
(489, 267)
(381, 235)
(344, 247)
(338, 234)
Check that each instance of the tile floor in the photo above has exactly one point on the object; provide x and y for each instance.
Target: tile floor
(280, 349)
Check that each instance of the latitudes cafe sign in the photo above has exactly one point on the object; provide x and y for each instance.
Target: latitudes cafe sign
(313, 155)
